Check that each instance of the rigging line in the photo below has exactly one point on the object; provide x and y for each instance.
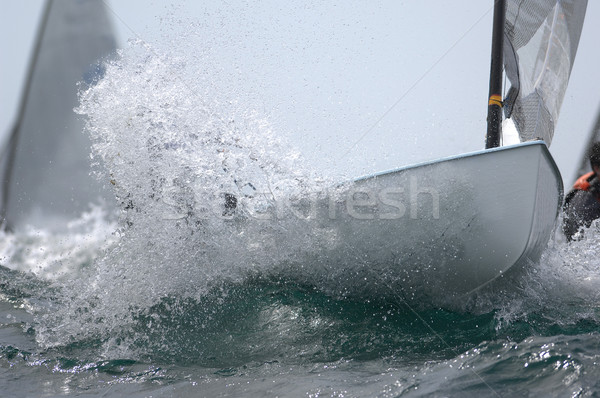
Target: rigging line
(153, 51)
(416, 83)
(105, 2)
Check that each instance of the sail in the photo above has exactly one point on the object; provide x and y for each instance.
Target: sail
(46, 162)
(594, 136)
(541, 39)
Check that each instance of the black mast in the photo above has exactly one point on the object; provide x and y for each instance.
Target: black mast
(494, 118)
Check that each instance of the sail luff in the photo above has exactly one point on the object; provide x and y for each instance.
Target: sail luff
(9, 150)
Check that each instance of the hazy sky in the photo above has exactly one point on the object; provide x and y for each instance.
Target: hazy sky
(360, 85)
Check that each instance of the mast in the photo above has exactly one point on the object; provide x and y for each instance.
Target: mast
(494, 117)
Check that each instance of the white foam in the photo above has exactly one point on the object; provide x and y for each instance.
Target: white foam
(55, 256)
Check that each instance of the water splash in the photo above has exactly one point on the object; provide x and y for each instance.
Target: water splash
(557, 293)
(198, 179)
(57, 256)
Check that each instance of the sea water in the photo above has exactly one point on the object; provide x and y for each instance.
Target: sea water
(174, 290)
(82, 322)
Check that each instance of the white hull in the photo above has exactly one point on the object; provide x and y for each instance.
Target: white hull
(446, 227)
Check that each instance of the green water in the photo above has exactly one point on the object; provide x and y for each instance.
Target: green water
(269, 337)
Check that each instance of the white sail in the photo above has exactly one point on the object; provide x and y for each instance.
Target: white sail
(541, 39)
(46, 163)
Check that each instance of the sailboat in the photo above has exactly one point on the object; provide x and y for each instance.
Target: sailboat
(453, 225)
(449, 226)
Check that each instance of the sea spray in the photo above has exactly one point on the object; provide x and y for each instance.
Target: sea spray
(202, 184)
(209, 196)
(57, 256)
(565, 279)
